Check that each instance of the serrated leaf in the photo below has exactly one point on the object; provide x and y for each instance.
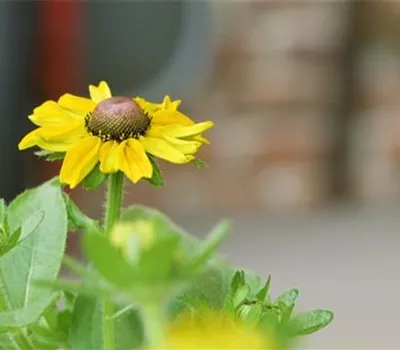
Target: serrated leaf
(311, 321)
(36, 256)
(289, 297)
(108, 260)
(157, 178)
(94, 179)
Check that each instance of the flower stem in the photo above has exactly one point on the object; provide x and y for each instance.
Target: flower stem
(153, 322)
(112, 214)
(114, 200)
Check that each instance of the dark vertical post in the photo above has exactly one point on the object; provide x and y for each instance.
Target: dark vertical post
(16, 39)
(346, 99)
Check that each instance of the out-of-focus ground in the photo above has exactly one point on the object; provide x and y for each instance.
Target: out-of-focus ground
(342, 259)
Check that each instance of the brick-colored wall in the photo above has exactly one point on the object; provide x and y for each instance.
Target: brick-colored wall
(274, 93)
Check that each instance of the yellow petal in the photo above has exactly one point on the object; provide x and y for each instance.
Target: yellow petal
(185, 146)
(108, 157)
(99, 93)
(28, 141)
(77, 104)
(165, 117)
(57, 138)
(80, 160)
(167, 103)
(186, 131)
(50, 113)
(164, 150)
(202, 139)
(133, 161)
(146, 106)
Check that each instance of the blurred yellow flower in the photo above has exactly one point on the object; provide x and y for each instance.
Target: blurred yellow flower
(116, 131)
(214, 330)
(130, 237)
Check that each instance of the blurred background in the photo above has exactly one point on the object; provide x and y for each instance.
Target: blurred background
(306, 148)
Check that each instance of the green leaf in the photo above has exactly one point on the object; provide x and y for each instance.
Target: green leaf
(108, 260)
(200, 164)
(155, 263)
(10, 242)
(37, 255)
(157, 178)
(208, 247)
(251, 314)
(240, 295)
(85, 332)
(237, 280)
(286, 311)
(78, 220)
(311, 321)
(289, 297)
(95, 178)
(10, 320)
(263, 292)
(162, 225)
(207, 289)
(3, 216)
(129, 330)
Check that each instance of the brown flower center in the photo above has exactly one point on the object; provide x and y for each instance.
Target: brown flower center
(117, 118)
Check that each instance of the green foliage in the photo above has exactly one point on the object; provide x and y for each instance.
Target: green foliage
(86, 324)
(146, 263)
(253, 306)
(108, 260)
(37, 220)
(311, 321)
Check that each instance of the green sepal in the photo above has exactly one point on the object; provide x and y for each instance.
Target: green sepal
(157, 178)
(200, 164)
(95, 178)
(50, 156)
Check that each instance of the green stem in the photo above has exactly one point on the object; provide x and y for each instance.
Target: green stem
(153, 322)
(114, 200)
(112, 214)
(20, 341)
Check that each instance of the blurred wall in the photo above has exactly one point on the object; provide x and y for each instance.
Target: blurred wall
(304, 96)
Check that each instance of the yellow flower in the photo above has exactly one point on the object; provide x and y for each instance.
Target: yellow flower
(119, 132)
(130, 237)
(214, 330)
